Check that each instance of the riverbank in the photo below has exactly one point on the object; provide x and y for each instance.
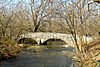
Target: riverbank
(9, 49)
(89, 57)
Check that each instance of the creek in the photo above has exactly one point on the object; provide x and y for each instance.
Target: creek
(45, 58)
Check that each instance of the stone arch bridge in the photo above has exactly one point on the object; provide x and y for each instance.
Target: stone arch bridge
(43, 36)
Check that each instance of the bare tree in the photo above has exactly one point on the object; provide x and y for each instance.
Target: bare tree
(13, 21)
(40, 10)
(77, 19)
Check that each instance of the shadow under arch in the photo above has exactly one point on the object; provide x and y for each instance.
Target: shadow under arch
(26, 41)
(54, 41)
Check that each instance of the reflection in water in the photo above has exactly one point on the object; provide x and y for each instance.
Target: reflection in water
(40, 59)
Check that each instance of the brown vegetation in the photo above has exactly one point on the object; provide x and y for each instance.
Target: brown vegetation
(64, 16)
(98, 1)
(90, 57)
(9, 49)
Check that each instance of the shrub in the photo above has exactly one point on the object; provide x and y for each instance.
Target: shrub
(8, 49)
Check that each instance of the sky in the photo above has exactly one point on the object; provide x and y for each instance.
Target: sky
(2, 2)
(14, 2)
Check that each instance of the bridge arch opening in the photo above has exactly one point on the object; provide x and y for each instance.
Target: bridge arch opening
(27, 41)
(54, 41)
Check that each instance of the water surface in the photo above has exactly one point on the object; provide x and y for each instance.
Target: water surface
(46, 58)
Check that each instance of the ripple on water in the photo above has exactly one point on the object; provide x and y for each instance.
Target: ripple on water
(40, 59)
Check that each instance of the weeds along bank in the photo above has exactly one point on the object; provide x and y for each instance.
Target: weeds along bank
(9, 49)
(89, 56)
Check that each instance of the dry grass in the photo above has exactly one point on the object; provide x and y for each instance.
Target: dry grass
(8, 49)
(90, 56)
